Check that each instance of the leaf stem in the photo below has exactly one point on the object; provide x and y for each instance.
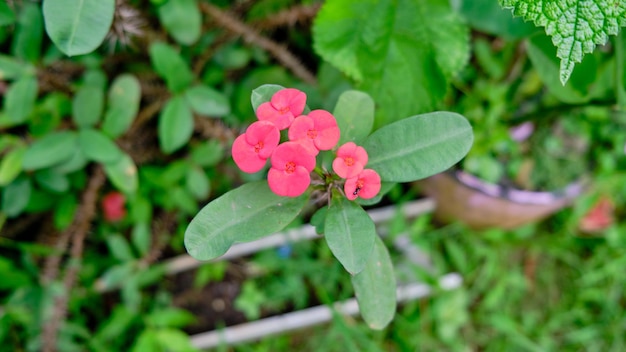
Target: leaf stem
(620, 89)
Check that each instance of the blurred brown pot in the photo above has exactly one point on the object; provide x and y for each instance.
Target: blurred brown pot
(480, 205)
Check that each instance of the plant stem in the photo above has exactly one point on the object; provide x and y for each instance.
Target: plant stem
(620, 89)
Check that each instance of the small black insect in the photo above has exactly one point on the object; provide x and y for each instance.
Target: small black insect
(356, 191)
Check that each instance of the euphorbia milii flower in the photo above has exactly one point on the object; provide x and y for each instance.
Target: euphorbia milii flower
(113, 208)
(253, 148)
(316, 131)
(350, 160)
(283, 108)
(365, 185)
(291, 166)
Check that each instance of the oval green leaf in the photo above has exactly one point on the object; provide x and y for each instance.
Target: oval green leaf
(171, 66)
(182, 20)
(52, 181)
(419, 146)
(244, 214)
(123, 105)
(98, 147)
(15, 197)
(20, 99)
(11, 68)
(28, 33)
(11, 166)
(350, 233)
(375, 288)
(50, 150)
(123, 174)
(87, 106)
(78, 26)
(7, 16)
(207, 101)
(197, 183)
(355, 116)
(175, 125)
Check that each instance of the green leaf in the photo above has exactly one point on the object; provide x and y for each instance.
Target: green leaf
(355, 116)
(87, 106)
(123, 105)
(20, 99)
(7, 16)
(175, 125)
(123, 174)
(169, 318)
(119, 247)
(489, 17)
(11, 166)
(418, 146)
(65, 211)
(244, 214)
(207, 101)
(77, 161)
(208, 153)
(263, 94)
(28, 33)
(141, 238)
(542, 54)
(181, 19)
(375, 288)
(98, 147)
(576, 26)
(171, 66)
(52, 181)
(50, 150)
(12, 68)
(197, 183)
(398, 51)
(78, 26)
(15, 197)
(350, 233)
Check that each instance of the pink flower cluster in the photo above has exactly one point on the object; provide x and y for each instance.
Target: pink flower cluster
(350, 164)
(293, 161)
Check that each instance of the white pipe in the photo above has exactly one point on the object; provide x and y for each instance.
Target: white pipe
(308, 317)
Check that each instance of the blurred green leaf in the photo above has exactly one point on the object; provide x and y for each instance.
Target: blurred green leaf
(50, 150)
(52, 181)
(208, 153)
(169, 318)
(197, 183)
(77, 161)
(65, 211)
(174, 340)
(350, 233)
(87, 106)
(28, 33)
(375, 288)
(418, 146)
(20, 99)
(171, 66)
(15, 197)
(78, 27)
(396, 50)
(175, 125)
(12, 277)
(182, 20)
(244, 214)
(11, 165)
(123, 174)
(207, 101)
(7, 16)
(12, 68)
(355, 116)
(489, 17)
(98, 147)
(119, 248)
(141, 238)
(148, 340)
(123, 105)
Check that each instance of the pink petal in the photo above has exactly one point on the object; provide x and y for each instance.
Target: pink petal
(245, 157)
(350, 188)
(265, 135)
(366, 185)
(289, 99)
(299, 132)
(327, 129)
(289, 185)
(292, 152)
(266, 112)
(347, 149)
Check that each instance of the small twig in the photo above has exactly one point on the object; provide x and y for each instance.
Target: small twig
(280, 52)
(78, 232)
(288, 17)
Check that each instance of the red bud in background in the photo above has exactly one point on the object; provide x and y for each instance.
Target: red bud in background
(113, 206)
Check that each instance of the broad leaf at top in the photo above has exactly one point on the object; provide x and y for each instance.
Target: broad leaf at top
(576, 26)
(78, 26)
(401, 52)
